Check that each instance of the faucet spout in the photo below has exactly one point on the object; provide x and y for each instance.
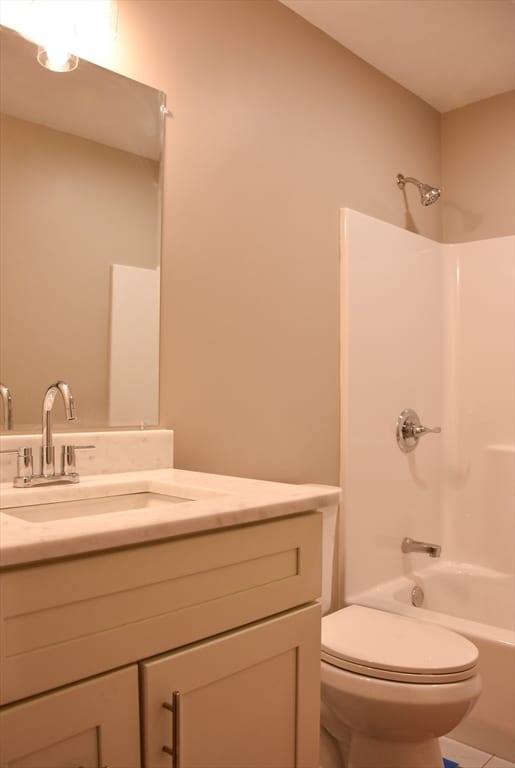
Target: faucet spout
(411, 545)
(47, 448)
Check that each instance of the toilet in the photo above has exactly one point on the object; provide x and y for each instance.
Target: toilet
(391, 685)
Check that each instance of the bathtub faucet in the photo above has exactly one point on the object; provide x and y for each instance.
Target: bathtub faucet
(411, 545)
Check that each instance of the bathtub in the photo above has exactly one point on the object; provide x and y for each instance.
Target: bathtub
(479, 603)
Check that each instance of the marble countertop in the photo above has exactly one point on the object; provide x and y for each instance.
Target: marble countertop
(214, 502)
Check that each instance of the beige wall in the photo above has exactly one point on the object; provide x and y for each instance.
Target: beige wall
(90, 206)
(275, 128)
(478, 162)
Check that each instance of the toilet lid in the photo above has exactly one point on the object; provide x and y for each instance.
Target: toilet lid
(395, 647)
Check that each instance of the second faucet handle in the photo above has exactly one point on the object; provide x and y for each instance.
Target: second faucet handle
(25, 467)
(68, 458)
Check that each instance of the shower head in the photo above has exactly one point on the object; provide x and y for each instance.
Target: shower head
(428, 194)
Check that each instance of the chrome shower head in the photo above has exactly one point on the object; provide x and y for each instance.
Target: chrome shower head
(428, 194)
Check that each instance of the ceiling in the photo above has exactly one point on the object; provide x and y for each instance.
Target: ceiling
(448, 52)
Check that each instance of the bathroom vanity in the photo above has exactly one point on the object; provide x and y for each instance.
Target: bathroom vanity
(184, 633)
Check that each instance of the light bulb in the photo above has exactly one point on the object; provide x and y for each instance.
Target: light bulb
(57, 58)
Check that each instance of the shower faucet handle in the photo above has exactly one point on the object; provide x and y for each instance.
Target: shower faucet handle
(409, 430)
(421, 430)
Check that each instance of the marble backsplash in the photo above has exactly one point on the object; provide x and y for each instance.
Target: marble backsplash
(114, 451)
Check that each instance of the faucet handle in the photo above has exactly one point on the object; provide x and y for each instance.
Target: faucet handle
(68, 458)
(420, 430)
(24, 464)
(409, 430)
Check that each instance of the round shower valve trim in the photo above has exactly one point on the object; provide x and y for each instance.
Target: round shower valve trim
(409, 430)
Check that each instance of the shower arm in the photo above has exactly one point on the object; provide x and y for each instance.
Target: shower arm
(402, 180)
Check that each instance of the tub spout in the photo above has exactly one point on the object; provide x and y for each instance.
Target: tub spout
(411, 545)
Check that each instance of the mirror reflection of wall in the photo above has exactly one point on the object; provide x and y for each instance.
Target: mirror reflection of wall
(80, 192)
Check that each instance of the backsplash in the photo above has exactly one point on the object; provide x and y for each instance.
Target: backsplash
(115, 451)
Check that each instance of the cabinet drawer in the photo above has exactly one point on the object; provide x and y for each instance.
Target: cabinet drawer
(64, 621)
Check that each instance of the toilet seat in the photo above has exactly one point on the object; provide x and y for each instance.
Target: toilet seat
(393, 647)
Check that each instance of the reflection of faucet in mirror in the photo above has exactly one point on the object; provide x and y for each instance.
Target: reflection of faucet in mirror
(7, 405)
(47, 448)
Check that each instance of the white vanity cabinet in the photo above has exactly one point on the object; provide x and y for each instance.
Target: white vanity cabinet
(226, 618)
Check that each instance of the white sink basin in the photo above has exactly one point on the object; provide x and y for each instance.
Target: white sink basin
(64, 510)
(99, 496)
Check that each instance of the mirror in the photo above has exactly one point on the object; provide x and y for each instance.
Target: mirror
(80, 206)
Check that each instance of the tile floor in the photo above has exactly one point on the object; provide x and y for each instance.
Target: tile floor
(470, 757)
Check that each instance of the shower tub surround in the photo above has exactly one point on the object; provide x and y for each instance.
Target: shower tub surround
(431, 327)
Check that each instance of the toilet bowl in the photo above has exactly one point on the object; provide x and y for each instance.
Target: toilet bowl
(391, 685)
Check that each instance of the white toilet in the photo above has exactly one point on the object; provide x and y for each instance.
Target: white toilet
(391, 685)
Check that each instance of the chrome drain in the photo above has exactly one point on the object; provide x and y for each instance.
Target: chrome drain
(417, 596)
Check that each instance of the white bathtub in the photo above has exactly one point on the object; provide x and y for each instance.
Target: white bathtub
(479, 603)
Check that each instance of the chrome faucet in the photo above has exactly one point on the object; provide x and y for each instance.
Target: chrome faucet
(47, 475)
(47, 449)
(7, 405)
(411, 545)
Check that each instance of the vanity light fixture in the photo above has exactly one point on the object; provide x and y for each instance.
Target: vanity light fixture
(59, 27)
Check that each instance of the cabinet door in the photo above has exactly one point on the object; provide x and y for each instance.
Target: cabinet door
(88, 725)
(248, 699)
